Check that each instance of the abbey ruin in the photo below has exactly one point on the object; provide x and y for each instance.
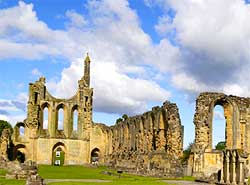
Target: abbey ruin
(149, 144)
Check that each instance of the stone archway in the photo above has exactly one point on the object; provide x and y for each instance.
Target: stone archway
(203, 121)
(58, 154)
(20, 153)
(95, 156)
(205, 160)
(230, 125)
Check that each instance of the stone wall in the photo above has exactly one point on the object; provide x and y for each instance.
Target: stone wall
(150, 143)
(206, 160)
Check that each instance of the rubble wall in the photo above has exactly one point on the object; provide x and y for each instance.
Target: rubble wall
(151, 143)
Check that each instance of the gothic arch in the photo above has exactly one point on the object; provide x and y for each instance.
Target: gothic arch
(43, 107)
(95, 155)
(203, 120)
(231, 113)
(61, 148)
(17, 131)
(58, 108)
(20, 152)
(73, 122)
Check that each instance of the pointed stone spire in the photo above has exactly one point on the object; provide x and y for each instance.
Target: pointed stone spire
(87, 70)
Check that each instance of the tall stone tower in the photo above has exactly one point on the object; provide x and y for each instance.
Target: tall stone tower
(87, 70)
(85, 94)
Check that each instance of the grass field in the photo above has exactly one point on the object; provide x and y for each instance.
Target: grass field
(81, 172)
(4, 181)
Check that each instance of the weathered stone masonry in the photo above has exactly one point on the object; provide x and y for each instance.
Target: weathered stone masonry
(230, 164)
(153, 140)
(40, 143)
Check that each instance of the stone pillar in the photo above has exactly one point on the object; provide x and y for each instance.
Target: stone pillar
(52, 124)
(233, 167)
(222, 169)
(241, 174)
(227, 167)
(67, 120)
(243, 137)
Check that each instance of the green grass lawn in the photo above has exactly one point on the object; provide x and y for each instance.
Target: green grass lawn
(4, 181)
(120, 182)
(81, 172)
(71, 172)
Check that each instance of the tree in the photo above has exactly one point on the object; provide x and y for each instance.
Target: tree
(3, 125)
(221, 145)
(187, 152)
(119, 120)
(125, 117)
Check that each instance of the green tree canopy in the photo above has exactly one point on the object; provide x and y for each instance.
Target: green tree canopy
(125, 117)
(5, 124)
(187, 152)
(221, 145)
(119, 120)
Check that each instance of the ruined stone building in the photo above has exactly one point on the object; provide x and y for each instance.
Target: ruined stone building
(153, 140)
(232, 164)
(43, 144)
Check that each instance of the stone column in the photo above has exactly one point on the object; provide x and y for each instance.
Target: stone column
(222, 169)
(67, 122)
(227, 167)
(243, 136)
(241, 174)
(233, 167)
(52, 124)
(222, 175)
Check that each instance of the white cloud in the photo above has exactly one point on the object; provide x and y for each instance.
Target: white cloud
(36, 72)
(164, 25)
(213, 41)
(114, 91)
(76, 20)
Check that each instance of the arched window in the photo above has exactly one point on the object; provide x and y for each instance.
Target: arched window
(218, 128)
(60, 119)
(21, 130)
(75, 119)
(45, 118)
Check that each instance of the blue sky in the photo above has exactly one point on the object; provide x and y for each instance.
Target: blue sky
(143, 52)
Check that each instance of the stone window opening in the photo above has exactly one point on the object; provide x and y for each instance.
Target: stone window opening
(75, 120)
(21, 131)
(60, 119)
(45, 118)
(218, 128)
(35, 97)
(57, 153)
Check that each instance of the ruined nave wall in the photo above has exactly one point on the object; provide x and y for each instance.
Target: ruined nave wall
(153, 140)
